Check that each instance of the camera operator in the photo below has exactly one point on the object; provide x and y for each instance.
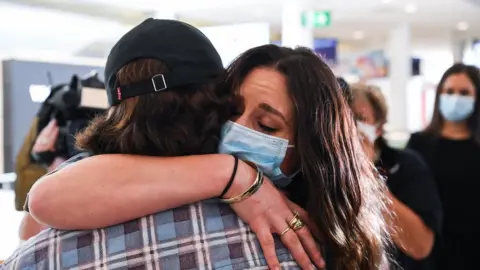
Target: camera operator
(45, 142)
(61, 116)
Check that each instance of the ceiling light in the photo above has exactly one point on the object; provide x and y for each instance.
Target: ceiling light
(358, 35)
(462, 26)
(410, 8)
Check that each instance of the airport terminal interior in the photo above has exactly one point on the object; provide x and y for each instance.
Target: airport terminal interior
(403, 49)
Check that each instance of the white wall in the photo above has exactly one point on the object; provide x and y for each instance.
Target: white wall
(436, 56)
(28, 30)
(232, 40)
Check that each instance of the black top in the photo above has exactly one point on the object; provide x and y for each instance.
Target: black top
(456, 168)
(410, 181)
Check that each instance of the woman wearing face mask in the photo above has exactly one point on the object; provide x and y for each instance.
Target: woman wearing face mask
(293, 122)
(415, 207)
(451, 146)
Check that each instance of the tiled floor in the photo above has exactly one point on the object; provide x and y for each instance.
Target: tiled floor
(9, 223)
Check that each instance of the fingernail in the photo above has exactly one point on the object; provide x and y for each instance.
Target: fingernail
(312, 267)
(277, 268)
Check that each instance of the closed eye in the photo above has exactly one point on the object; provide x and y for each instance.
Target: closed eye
(266, 129)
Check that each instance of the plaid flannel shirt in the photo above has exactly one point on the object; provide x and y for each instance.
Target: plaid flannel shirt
(204, 235)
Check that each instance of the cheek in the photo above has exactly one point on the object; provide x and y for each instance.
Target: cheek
(474, 95)
(290, 163)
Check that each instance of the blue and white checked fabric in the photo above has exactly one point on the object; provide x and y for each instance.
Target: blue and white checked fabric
(204, 235)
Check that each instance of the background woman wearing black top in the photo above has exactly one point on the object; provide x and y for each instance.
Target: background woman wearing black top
(415, 205)
(451, 146)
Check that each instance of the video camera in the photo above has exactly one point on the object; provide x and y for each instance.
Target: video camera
(73, 105)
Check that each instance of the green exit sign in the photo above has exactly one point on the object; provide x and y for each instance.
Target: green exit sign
(316, 19)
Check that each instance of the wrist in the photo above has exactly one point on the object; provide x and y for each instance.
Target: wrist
(243, 179)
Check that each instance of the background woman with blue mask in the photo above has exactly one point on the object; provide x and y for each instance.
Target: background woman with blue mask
(451, 147)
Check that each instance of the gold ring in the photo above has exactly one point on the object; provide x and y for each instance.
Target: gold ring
(285, 231)
(296, 223)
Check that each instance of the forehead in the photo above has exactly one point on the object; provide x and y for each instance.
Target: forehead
(266, 85)
(459, 80)
(265, 78)
(362, 107)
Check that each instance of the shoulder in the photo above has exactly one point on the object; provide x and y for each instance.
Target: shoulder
(411, 158)
(78, 157)
(420, 136)
(21, 258)
(72, 160)
(421, 142)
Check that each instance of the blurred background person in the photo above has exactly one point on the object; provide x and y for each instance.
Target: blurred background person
(415, 206)
(51, 141)
(451, 147)
(45, 142)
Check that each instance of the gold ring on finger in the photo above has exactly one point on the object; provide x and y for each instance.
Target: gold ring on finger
(296, 223)
(294, 219)
(285, 231)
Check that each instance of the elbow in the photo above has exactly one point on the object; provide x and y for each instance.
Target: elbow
(42, 206)
(57, 206)
(424, 247)
(421, 253)
(39, 203)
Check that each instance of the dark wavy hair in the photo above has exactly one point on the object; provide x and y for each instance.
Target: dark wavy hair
(174, 122)
(346, 90)
(343, 195)
(473, 73)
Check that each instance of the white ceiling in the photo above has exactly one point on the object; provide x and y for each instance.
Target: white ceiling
(371, 16)
(372, 13)
(434, 20)
(348, 15)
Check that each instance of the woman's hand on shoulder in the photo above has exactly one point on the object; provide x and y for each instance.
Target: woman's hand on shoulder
(268, 212)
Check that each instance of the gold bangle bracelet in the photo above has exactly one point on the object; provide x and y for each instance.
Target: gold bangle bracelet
(250, 191)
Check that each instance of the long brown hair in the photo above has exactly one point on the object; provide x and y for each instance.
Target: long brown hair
(344, 197)
(436, 125)
(173, 122)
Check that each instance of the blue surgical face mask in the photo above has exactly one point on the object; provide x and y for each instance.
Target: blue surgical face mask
(455, 107)
(370, 131)
(267, 152)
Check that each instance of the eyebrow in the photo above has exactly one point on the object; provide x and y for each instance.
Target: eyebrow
(271, 110)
